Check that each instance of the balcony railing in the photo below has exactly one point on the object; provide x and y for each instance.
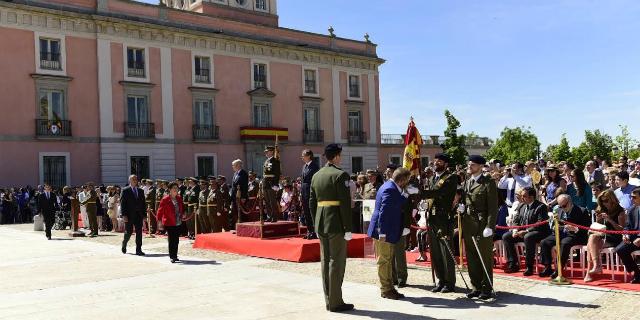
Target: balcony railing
(139, 130)
(203, 77)
(312, 136)
(356, 137)
(435, 140)
(50, 61)
(205, 132)
(136, 70)
(53, 128)
(310, 86)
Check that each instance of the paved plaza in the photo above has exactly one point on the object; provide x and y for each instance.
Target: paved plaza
(89, 278)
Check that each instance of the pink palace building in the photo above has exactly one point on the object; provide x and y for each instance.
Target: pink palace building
(95, 90)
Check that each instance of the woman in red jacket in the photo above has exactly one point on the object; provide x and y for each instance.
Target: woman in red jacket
(170, 213)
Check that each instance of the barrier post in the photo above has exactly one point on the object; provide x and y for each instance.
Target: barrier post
(559, 280)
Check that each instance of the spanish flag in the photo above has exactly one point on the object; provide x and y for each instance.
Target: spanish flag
(412, 143)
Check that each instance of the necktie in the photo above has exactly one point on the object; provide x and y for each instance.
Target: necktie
(135, 192)
(47, 195)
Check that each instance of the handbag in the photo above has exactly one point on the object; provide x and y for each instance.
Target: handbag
(597, 226)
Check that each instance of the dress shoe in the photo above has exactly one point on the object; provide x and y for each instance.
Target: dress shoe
(473, 294)
(438, 288)
(545, 273)
(554, 274)
(342, 308)
(636, 279)
(400, 295)
(124, 249)
(391, 295)
(176, 259)
(313, 236)
(528, 272)
(511, 269)
(486, 296)
(448, 289)
(140, 253)
(173, 260)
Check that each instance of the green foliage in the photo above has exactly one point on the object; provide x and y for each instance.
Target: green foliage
(562, 151)
(624, 145)
(596, 143)
(515, 144)
(454, 144)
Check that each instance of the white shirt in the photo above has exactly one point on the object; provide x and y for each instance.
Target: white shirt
(513, 185)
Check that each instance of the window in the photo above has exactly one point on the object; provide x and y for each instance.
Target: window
(137, 110)
(135, 62)
(52, 105)
(202, 69)
(54, 170)
(310, 83)
(424, 162)
(259, 75)
(261, 115)
(354, 86)
(50, 54)
(311, 122)
(354, 121)
(261, 5)
(395, 160)
(140, 167)
(204, 112)
(206, 165)
(356, 164)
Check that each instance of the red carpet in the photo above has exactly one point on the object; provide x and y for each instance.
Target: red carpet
(600, 281)
(294, 249)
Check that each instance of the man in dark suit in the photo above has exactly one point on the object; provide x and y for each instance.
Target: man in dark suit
(308, 170)
(593, 174)
(387, 224)
(531, 211)
(47, 206)
(133, 208)
(240, 183)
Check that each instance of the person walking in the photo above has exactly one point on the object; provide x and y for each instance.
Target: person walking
(171, 214)
(133, 210)
(47, 205)
(330, 201)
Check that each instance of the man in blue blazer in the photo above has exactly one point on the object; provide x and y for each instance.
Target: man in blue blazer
(386, 228)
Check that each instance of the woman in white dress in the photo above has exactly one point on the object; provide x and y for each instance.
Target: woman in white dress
(112, 205)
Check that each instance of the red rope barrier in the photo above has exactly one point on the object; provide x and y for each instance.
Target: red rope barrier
(629, 232)
(526, 226)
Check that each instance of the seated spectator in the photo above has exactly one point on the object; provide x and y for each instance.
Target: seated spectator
(623, 193)
(531, 211)
(612, 215)
(631, 243)
(569, 235)
(554, 182)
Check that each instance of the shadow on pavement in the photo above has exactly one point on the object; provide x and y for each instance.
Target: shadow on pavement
(197, 262)
(155, 255)
(61, 239)
(387, 315)
(504, 299)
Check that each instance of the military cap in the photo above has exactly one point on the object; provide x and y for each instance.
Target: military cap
(269, 148)
(443, 156)
(203, 181)
(211, 177)
(477, 159)
(179, 179)
(371, 171)
(221, 177)
(333, 148)
(392, 166)
(251, 173)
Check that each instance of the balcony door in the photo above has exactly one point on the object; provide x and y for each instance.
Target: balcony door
(52, 105)
(54, 170)
(137, 110)
(204, 113)
(140, 166)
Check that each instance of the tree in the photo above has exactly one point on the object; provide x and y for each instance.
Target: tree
(515, 144)
(562, 151)
(453, 144)
(624, 145)
(596, 143)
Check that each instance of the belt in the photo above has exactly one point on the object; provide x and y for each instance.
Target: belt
(269, 176)
(253, 198)
(192, 204)
(328, 203)
(212, 205)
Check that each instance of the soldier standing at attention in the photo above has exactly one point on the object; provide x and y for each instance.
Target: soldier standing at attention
(190, 203)
(330, 202)
(203, 219)
(481, 201)
(91, 204)
(215, 205)
(150, 200)
(442, 191)
(371, 188)
(270, 180)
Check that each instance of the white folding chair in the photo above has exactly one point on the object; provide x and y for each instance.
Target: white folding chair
(610, 261)
(581, 251)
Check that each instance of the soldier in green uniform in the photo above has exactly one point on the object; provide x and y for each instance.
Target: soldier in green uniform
(190, 203)
(159, 193)
(224, 188)
(270, 181)
(215, 207)
(150, 200)
(330, 201)
(90, 204)
(371, 188)
(481, 201)
(441, 223)
(203, 210)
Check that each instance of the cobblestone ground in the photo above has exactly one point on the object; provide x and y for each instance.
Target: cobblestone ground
(604, 304)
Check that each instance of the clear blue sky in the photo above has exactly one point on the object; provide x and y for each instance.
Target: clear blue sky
(555, 66)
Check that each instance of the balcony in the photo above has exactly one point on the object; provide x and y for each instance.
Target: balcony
(46, 128)
(136, 70)
(313, 136)
(356, 137)
(144, 131)
(203, 77)
(50, 61)
(205, 132)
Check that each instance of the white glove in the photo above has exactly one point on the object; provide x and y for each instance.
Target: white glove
(412, 190)
(275, 188)
(348, 236)
(219, 214)
(461, 208)
(487, 232)
(405, 231)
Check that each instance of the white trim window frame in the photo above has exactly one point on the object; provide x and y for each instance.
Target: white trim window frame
(316, 92)
(399, 156)
(261, 5)
(148, 154)
(196, 156)
(145, 58)
(261, 114)
(196, 80)
(359, 84)
(62, 71)
(267, 80)
(41, 157)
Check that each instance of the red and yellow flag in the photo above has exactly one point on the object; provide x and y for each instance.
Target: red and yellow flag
(412, 143)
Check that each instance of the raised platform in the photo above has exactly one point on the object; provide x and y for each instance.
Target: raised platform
(268, 229)
(294, 249)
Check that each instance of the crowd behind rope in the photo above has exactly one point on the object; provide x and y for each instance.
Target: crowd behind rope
(595, 194)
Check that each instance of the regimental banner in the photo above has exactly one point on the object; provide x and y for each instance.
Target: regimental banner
(259, 133)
